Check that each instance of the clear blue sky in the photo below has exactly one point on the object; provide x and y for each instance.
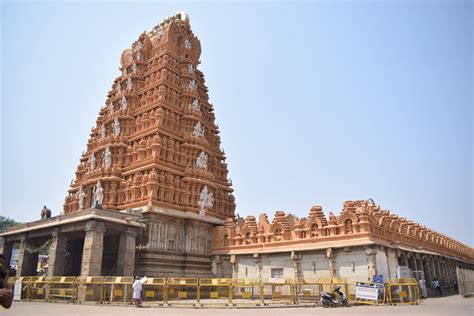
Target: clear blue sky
(317, 102)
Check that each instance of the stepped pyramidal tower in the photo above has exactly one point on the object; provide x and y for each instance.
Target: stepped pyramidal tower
(155, 144)
(155, 147)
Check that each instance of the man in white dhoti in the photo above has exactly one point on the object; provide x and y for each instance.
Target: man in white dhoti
(137, 292)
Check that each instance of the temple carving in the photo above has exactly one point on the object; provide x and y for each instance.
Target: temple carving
(155, 142)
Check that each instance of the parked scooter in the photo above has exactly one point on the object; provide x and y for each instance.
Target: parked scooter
(329, 299)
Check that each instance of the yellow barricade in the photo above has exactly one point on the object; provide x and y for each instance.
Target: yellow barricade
(307, 291)
(215, 291)
(117, 289)
(38, 288)
(24, 285)
(369, 293)
(184, 290)
(247, 291)
(277, 291)
(403, 291)
(329, 284)
(62, 288)
(90, 289)
(154, 290)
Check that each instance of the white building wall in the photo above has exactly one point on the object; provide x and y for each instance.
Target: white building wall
(352, 265)
(314, 266)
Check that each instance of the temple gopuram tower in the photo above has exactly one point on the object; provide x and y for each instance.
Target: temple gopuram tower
(155, 150)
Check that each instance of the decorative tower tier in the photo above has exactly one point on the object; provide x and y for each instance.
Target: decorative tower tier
(155, 144)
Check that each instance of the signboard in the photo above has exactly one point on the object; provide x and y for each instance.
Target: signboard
(378, 279)
(367, 291)
(276, 280)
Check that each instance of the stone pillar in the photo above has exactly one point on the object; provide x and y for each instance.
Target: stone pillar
(7, 251)
(57, 254)
(93, 249)
(296, 264)
(372, 263)
(233, 262)
(330, 256)
(126, 253)
(27, 261)
(392, 263)
(258, 261)
(427, 269)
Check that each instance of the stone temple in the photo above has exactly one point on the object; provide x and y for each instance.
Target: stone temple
(151, 196)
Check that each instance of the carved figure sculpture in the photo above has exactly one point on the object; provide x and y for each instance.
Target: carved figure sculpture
(129, 84)
(198, 130)
(190, 68)
(195, 106)
(98, 195)
(102, 131)
(123, 103)
(206, 199)
(80, 197)
(116, 127)
(187, 44)
(107, 158)
(192, 85)
(134, 68)
(201, 161)
(92, 161)
(45, 213)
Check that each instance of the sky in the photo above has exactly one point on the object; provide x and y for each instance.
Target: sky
(317, 102)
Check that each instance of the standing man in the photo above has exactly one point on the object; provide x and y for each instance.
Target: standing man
(6, 295)
(137, 292)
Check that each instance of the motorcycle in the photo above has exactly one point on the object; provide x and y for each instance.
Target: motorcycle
(329, 299)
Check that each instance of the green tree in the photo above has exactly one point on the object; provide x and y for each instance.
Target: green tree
(6, 222)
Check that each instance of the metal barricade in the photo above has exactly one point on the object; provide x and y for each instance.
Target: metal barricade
(307, 291)
(403, 291)
(369, 293)
(154, 291)
(62, 288)
(182, 290)
(247, 292)
(117, 289)
(90, 289)
(215, 291)
(329, 284)
(278, 291)
(37, 288)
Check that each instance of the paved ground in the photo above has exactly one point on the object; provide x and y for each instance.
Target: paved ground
(452, 305)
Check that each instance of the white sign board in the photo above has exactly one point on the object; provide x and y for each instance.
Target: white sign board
(17, 291)
(367, 291)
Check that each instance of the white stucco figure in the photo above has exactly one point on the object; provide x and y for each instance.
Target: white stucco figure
(124, 72)
(187, 44)
(119, 88)
(134, 68)
(81, 197)
(198, 130)
(102, 131)
(138, 46)
(116, 127)
(195, 106)
(111, 108)
(138, 56)
(193, 85)
(92, 161)
(159, 33)
(129, 84)
(206, 199)
(190, 68)
(107, 158)
(201, 161)
(123, 103)
(98, 194)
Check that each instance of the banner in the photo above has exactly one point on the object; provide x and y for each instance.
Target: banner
(367, 291)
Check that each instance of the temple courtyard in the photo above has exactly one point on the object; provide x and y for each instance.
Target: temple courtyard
(450, 305)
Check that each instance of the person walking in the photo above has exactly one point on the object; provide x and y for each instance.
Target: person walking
(435, 286)
(137, 292)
